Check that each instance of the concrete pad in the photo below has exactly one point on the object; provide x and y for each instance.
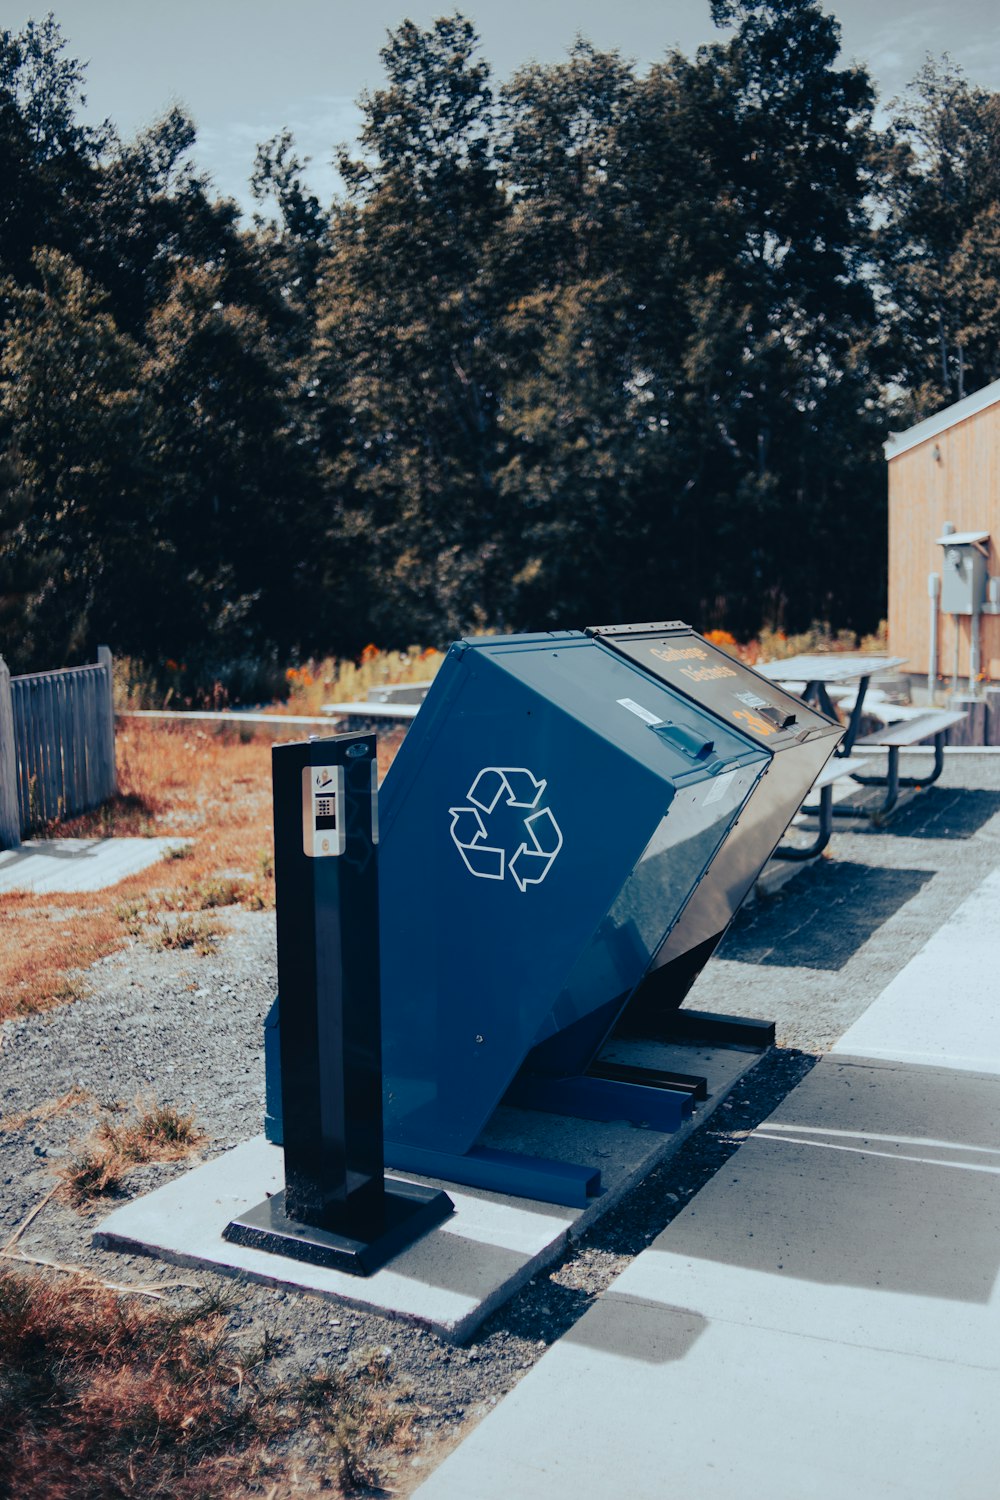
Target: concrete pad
(56, 866)
(443, 1280)
(644, 1401)
(941, 1009)
(458, 1273)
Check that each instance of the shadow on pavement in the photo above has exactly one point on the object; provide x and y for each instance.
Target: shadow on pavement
(634, 1329)
(835, 908)
(880, 1176)
(939, 813)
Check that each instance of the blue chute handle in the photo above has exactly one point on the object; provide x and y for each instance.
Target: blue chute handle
(689, 740)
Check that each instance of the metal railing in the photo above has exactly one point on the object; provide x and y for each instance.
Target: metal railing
(57, 745)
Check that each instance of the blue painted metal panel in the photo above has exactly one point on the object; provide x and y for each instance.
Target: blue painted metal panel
(511, 1172)
(602, 1099)
(273, 1119)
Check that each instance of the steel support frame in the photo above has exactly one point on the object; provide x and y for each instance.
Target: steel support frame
(812, 851)
(893, 782)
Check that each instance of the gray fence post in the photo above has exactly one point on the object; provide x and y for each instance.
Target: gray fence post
(10, 815)
(109, 772)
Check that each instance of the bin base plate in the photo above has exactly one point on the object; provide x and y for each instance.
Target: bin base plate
(409, 1211)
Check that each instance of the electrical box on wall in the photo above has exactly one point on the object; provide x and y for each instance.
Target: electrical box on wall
(965, 571)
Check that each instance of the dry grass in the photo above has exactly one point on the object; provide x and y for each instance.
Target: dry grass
(105, 1397)
(356, 1419)
(189, 932)
(775, 645)
(157, 1132)
(100, 1397)
(212, 787)
(318, 682)
(47, 1110)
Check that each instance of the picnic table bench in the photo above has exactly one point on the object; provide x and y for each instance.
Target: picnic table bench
(369, 709)
(931, 724)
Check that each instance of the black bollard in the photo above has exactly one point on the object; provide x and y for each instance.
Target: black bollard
(338, 1209)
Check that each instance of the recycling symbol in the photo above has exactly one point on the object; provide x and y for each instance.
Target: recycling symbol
(539, 836)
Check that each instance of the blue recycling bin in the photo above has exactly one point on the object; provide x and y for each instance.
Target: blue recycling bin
(571, 817)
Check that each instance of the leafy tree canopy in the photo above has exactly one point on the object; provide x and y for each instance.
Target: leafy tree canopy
(589, 344)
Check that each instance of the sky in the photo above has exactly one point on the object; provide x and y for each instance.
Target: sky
(245, 69)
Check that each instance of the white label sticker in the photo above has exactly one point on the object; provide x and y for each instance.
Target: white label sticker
(719, 787)
(639, 711)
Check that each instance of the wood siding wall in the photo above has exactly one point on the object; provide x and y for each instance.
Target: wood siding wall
(955, 477)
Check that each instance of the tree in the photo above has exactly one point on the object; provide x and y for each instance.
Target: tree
(235, 489)
(292, 245)
(404, 373)
(752, 274)
(46, 158)
(692, 388)
(149, 210)
(73, 412)
(941, 196)
(565, 167)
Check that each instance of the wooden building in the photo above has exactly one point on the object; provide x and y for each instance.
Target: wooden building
(944, 470)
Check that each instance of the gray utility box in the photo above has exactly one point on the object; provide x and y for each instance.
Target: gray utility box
(965, 571)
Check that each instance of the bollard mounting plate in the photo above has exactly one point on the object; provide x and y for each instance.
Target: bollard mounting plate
(408, 1210)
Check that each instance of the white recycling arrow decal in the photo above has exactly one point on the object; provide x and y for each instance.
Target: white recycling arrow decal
(542, 837)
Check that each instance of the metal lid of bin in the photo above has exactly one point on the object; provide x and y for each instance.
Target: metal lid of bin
(637, 629)
(675, 654)
(576, 675)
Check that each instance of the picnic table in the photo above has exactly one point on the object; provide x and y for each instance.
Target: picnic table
(812, 677)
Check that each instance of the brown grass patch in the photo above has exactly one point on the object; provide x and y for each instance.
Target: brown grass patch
(189, 932)
(102, 1396)
(211, 786)
(356, 1419)
(156, 1133)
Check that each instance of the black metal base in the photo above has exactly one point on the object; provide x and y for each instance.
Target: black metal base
(408, 1211)
(654, 1078)
(709, 1027)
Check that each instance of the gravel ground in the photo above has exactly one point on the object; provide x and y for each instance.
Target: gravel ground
(187, 1031)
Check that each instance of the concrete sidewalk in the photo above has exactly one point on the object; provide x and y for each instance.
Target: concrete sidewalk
(823, 1319)
(57, 866)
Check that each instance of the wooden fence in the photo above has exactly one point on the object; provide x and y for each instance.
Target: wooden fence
(57, 745)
